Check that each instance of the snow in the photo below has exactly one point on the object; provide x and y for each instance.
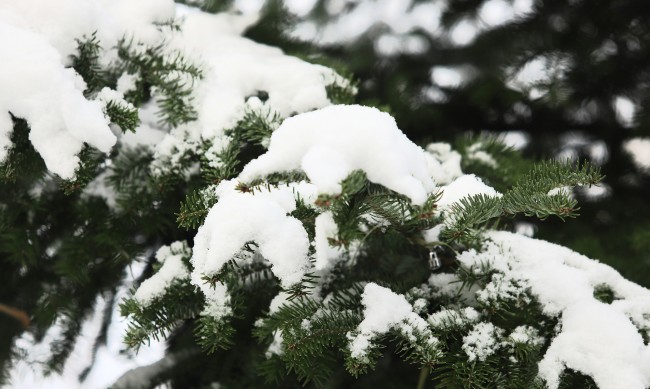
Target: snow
(597, 339)
(639, 150)
(462, 187)
(326, 254)
(447, 77)
(329, 143)
(49, 95)
(384, 310)
(526, 335)
(518, 140)
(496, 12)
(239, 218)
(275, 348)
(433, 234)
(475, 153)
(172, 269)
(453, 317)
(464, 32)
(482, 341)
(236, 68)
(398, 17)
(110, 360)
(444, 163)
(50, 98)
(278, 301)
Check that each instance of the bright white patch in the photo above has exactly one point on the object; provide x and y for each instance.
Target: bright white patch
(239, 218)
(534, 76)
(496, 12)
(383, 311)
(525, 229)
(446, 318)
(172, 269)
(447, 77)
(639, 150)
(278, 301)
(596, 192)
(464, 32)
(482, 341)
(300, 7)
(235, 70)
(475, 152)
(444, 163)
(399, 17)
(625, 111)
(326, 254)
(523, 7)
(465, 186)
(518, 140)
(329, 143)
(275, 348)
(50, 98)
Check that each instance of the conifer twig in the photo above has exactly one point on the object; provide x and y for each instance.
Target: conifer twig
(17, 314)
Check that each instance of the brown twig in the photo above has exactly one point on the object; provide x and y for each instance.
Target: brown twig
(17, 314)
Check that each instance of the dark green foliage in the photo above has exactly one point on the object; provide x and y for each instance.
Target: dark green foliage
(194, 209)
(86, 63)
(170, 73)
(23, 162)
(125, 117)
(532, 195)
(510, 164)
(158, 319)
(89, 167)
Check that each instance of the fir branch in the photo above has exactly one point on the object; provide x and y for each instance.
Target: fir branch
(170, 73)
(180, 301)
(213, 334)
(89, 166)
(125, 117)
(532, 196)
(86, 64)
(195, 208)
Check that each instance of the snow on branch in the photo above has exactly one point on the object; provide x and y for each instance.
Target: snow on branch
(241, 218)
(50, 97)
(171, 257)
(599, 339)
(330, 143)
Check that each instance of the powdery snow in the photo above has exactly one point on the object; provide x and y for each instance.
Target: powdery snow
(172, 269)
(41, 37)
(444, 163)
(598, 339)
(326, 254)
(465, 186)
(239, 218)
(385, 310)
(235, 70)
(50, 98)
(329, 143)
(482, 341)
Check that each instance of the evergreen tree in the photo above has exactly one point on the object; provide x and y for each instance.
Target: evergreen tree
(286, 236)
